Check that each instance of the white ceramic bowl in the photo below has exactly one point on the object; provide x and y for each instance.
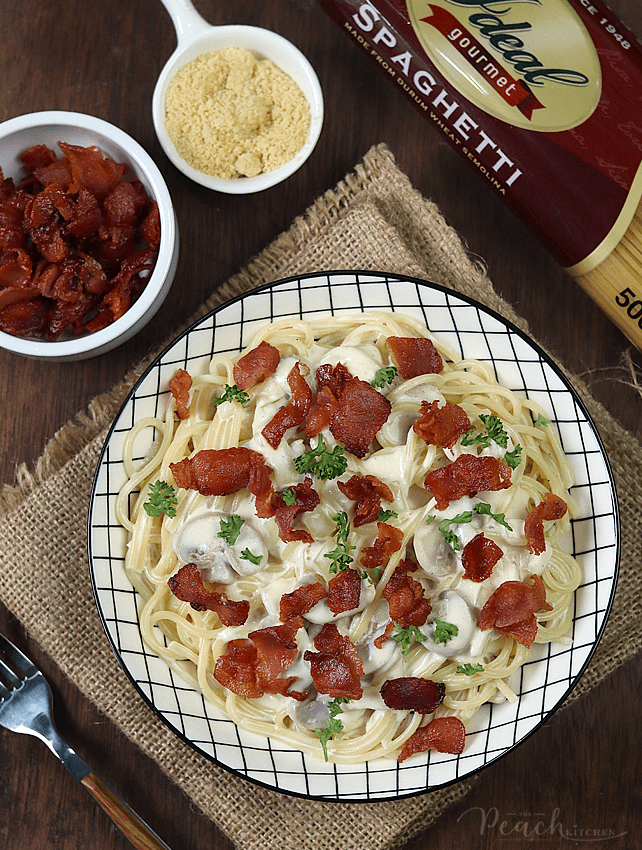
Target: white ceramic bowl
(195, 37)
(49, 128)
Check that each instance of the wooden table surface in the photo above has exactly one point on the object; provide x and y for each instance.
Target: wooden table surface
(575, 781)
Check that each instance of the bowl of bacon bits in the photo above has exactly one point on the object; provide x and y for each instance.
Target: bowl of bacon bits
(88, 236)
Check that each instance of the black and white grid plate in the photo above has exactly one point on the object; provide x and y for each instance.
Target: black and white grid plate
(552, 670)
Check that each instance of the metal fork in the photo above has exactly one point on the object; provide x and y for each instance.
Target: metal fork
(25, 706)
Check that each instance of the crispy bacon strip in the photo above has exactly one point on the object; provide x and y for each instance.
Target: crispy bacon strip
(406, 601)
(550, 509)
(467, 476)
(511, 609)
(366, 491)
(414, 356)
(324, 407)
(336, 668)
(444, 734)
(301, 600)
(219, 472)
(413, 693)
(360, 414)
(294, 412)
(187, 585)
(276, 650)
(352, 409)
(344, 591)
(388, 541)
(306, 499)
(236, 669)
(441, 426)
(479, 557)
(257, 365)
(251, 667)
(180, 385)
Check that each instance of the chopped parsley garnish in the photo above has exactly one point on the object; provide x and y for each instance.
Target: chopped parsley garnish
(496, 432)
(405, 637)
(513, 458)
(340, 555)
(383, 376)
(376, 575)
(232, 393)
(384, 516)
(322, 463)
(467, 516)
(445, 631)
(289, 496)
(231, 528)
(450, 536)
(469, 670)
(333, 726)
(542, 420)
(248, 556)
(484, 509)
(161, 499)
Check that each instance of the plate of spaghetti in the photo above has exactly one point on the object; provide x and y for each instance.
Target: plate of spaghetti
(353, 536)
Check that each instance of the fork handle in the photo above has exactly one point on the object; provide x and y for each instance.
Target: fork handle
(126, 819)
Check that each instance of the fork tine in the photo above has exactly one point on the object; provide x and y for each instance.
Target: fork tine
(17, 658)
(9, 676)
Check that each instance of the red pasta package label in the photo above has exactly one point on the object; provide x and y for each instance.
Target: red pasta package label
(543, 99)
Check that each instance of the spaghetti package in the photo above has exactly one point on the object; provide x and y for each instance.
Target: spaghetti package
(544, 100)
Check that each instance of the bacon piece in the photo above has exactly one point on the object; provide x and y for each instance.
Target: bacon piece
(413, 693)
(344, 591)
(187, 585)
(360, 414)
(467, 476)
(324, 407)
(92, 170)
(479, 557)
(294, 412)
(236, 669)
(58, 172)
(276, 650)
(86, 215)
(219, 472)
(124, 205)
(257, 365)
(336, 668)
(352, 409)
(388, 541)
(511, 609)
(366, 491)
(444, 734)
(441, 426)
(15, 267)
(25, 317)
(333, 377)
(37, 156)
(306, 499)
(251, 667)
(414, 356)
(180, 385)
(553, 507)
(406, 601)
(301, 600)
(150, 229)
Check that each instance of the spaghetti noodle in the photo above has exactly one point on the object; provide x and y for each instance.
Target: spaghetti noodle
(334, 581)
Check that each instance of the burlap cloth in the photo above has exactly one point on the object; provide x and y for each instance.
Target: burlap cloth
(374, 219)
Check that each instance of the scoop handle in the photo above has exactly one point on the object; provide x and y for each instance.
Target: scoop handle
(187, 21)
(133, 828)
